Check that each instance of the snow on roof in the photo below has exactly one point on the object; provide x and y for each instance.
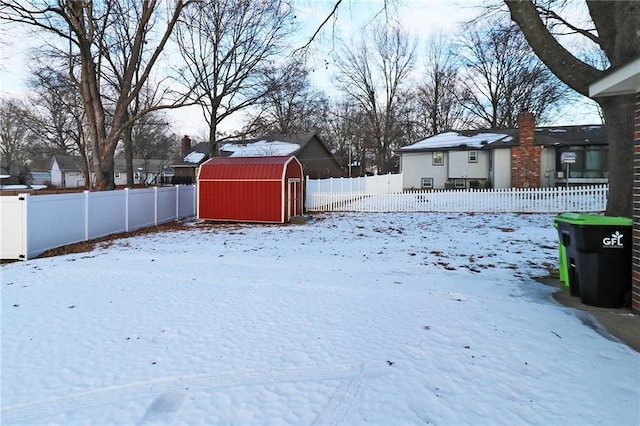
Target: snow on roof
(261, 148)
(455, 139)
(194, 157)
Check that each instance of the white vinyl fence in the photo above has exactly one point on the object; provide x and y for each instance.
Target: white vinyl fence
(31, 224)
(378, 184)
(529, 200)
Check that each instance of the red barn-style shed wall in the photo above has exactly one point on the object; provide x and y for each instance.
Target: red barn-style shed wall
(250, 189)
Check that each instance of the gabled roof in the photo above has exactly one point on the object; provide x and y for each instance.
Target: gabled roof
(268, 145)
(259, 148)
(68, 163)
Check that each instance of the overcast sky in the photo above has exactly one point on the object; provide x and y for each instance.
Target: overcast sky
(420, 17)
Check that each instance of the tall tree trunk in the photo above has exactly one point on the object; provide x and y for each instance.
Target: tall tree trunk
(127, 139)
(619, 113)
(213, 148)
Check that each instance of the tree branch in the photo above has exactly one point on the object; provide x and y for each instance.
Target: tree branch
(572, 71)
(321, 26)
(553, 15)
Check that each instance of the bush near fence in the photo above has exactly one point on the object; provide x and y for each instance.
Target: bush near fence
(527, 200)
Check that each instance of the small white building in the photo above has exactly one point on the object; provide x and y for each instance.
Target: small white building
(67, 172)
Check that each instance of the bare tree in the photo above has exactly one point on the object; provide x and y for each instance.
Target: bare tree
(89, 30)
(504, 77)
(227, 45)
(290, 105)
(153, 139)
(615, 31)
(372, 75)
(440, 97)
(56, 116)
(15, 137)
(344, 129)
(149, 138)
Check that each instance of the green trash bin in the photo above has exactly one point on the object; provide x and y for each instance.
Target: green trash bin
(598, 257)
(563, 269)
(567, 252)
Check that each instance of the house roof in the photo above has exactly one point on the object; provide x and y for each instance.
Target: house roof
(194, 156)
(463, 140)
(68, 163)
(492, 139)
(260, 148)
(244, 168)
(151, 165)
(621, 80)
(571, 135)
(269, 145)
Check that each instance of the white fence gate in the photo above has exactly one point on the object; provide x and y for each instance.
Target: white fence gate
(529, 200)
(32, 225)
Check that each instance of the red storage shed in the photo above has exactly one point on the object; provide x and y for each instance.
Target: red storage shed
(250, 189)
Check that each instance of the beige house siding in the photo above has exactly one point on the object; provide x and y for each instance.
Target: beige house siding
(501, 173)
(415, 166)
(548, 170)
(461, 168)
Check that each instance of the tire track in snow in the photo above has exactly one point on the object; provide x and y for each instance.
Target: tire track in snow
(152, 389)
(345, 396)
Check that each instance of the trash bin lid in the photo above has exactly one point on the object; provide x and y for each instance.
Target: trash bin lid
(592, 219)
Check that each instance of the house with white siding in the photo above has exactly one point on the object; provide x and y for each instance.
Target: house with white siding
(524, 157)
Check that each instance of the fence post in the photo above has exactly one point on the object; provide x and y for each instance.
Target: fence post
(25, 225)
(86, 215)
(194, 191)
(177, 201)
(155, 205)
(126, 209)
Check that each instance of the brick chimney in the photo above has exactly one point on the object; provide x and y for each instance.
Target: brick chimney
(186, 145)
(525, 158)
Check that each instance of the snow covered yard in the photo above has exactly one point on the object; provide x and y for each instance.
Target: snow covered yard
(348, 319)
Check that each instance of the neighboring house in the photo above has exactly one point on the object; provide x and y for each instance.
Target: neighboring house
(316, 159)
(66, 172)
(145, 172)
(522, 157)
(186, 169)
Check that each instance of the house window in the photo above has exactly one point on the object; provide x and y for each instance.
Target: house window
(458, 183)
(473, 156)
(591, 162)
(427, 183)
(117, 175)
(438, 158)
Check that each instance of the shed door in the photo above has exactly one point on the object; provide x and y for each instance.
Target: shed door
(294, 205)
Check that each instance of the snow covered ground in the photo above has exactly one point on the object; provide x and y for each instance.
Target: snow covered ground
(348, 319)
